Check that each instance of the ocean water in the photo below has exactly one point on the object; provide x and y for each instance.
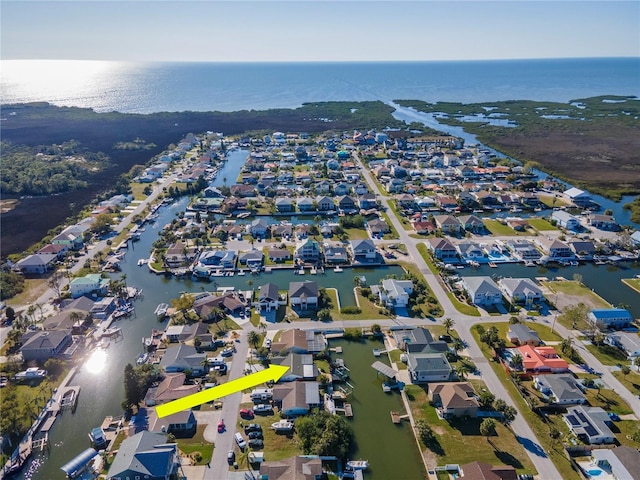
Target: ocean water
(154, 87)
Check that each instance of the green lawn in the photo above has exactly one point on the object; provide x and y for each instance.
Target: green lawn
(403, 220)
(540, 224)
(579, 293)
(459, 441)
(543, 331)
(426, 307)
(461, 307)
(607, 355)
(394, 355)
(631, 381)
(393, 235)
(369, 310)
(497, 228)
(197, 443)
(548, 200)
(356, 233)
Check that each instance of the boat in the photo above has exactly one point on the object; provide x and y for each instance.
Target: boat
(31, 373)
(337, 270)
(358, 464)
(98, 438)
(142, 359)
(142, 261)
(109, 332)
(161, 310)
(573, 263)
(529, 263)
(493, 265)
(282, 426)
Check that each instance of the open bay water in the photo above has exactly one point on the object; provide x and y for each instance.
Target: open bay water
(157, 87)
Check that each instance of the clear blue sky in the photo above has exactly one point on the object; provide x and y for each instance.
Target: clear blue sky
(317, 30)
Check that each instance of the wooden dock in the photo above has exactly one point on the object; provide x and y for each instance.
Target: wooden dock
(395, 417)
(346, 410)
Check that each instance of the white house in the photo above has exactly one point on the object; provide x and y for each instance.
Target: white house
(303, 294)
(560, 389)
(91, 283)
(610, 317)
(428, 367)
(590, 424)
(395, 293)
(482, 290)
(520, 290)
(565, 220)
(577, 196)
(628, 342)
(268, 297)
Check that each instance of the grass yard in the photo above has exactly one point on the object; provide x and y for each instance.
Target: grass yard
(369, 310)
(356, 233)
(459, 441)
(393, 235)
(425, 307)
(197, 443)
(607, 355)
(541, 224)
(548, 200)
(498, 229)
(394, 356)
(543, 331)
(137, 190)
(403, 220)
(576, 293)
(607, 399)
(631, 381)
(276, 446)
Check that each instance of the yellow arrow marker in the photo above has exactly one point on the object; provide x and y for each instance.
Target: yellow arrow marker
(273, 373)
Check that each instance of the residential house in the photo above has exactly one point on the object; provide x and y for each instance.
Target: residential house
(456, 399)
(179, 424)
(341, 188)
(294, 468)
(307, 250)
(243, 191)
(209, 307)
(71, 237)
(103, 307)
(170, 388)
(284, 205)
(268, 297)
(560, 389)
(622, 461)
(446, 202)
(583, 249)
(336, 255)
(300, 341)
(471, 251)
(428, 367)
(363, 251)
(347, 205)
(603, 222)
(184, 358)
(90, 283)
(520, 290)
(377, 227)
(520, 334)
(41, 345)
(628, 342)
(179, 255)
(69, 318)
(225, 259)
(393, 293)
(297, 398)
(279, 255)
(448, 224)
(305, 204)
(301, 367)
(566, 220)
(482, 290)
(610, 317)
(37, 263)
(523, 250)
(325, 203)
(145, 455)
(252, 259)
(367, 201)
(577, 196)
(59, 250)
(284, 230)
(555, 249)
(302, 230)
(303, 295)
(518, 224)
(442, 249)
(483, 471)
(184, 333)
(471, 223)
(589, 424)
(424, 228)
(258, 228)
(418, 340)
(540, 359)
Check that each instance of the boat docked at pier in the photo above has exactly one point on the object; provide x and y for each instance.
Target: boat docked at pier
(358, 464)
(161, 310)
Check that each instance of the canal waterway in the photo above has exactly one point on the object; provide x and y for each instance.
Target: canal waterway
(390, 448)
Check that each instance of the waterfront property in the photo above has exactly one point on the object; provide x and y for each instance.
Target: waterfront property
(418, 340)
(482, 290)
(42, 345)
(182, 358)
(145, 455)
(520, 290)
(456, 399)
(610, 318)
(628, 342)
(303, 295)
(297, 398)
(300, 341)
(428, 367)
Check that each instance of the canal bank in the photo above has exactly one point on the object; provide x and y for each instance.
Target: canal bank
(390, 448)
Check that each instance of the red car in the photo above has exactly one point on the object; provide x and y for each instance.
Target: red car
(221, 426)
(246, 413)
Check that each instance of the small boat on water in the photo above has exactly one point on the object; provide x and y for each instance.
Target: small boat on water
(337, 269)
(358, 464)
(529, 263)
(142, 359)
(161, 310)
(142, 261)
(98, 438)
(282, 426)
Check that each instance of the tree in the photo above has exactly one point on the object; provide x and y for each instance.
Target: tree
(55, 282)
(458, 345)
(554, 434)
(324, 434)
(425, 432)
(500, 405)
(10, 313)
(102, 225)
(324, 315)
(462, 370)
(625, 370)
(488, 427)
(517, 362)
(132, 392)
(253, 338)
(509, 413)
(448, 323)
(486, 398)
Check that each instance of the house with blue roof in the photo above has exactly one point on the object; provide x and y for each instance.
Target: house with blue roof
(610, 317)
(145, 455)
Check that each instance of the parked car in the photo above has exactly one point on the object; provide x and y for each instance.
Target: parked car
(267, 343)
(266, 409)
(253, 435)
(445, 338)
(221, 426)
(252, 427)
(246, 413)
(231, 457)
(240, 441)
(256, 444)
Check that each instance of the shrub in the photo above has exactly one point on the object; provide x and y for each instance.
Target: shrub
(351, 310)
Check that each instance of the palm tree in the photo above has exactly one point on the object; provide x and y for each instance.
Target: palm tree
(448, 323)
(462, 370)
(457, 345)
(253, 338)
(517, 362)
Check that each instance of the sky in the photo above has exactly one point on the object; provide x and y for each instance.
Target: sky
(297, 30)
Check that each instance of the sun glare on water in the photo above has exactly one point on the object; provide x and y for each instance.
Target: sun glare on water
(96, 361)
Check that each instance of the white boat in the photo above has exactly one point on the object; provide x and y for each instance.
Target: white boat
(529, 263)
(337, 269)
(30, 373)
(142, 358)
(358, 464)
(282, 426)
(161, 310)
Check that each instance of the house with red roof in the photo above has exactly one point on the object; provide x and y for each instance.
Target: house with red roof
(541, 359)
